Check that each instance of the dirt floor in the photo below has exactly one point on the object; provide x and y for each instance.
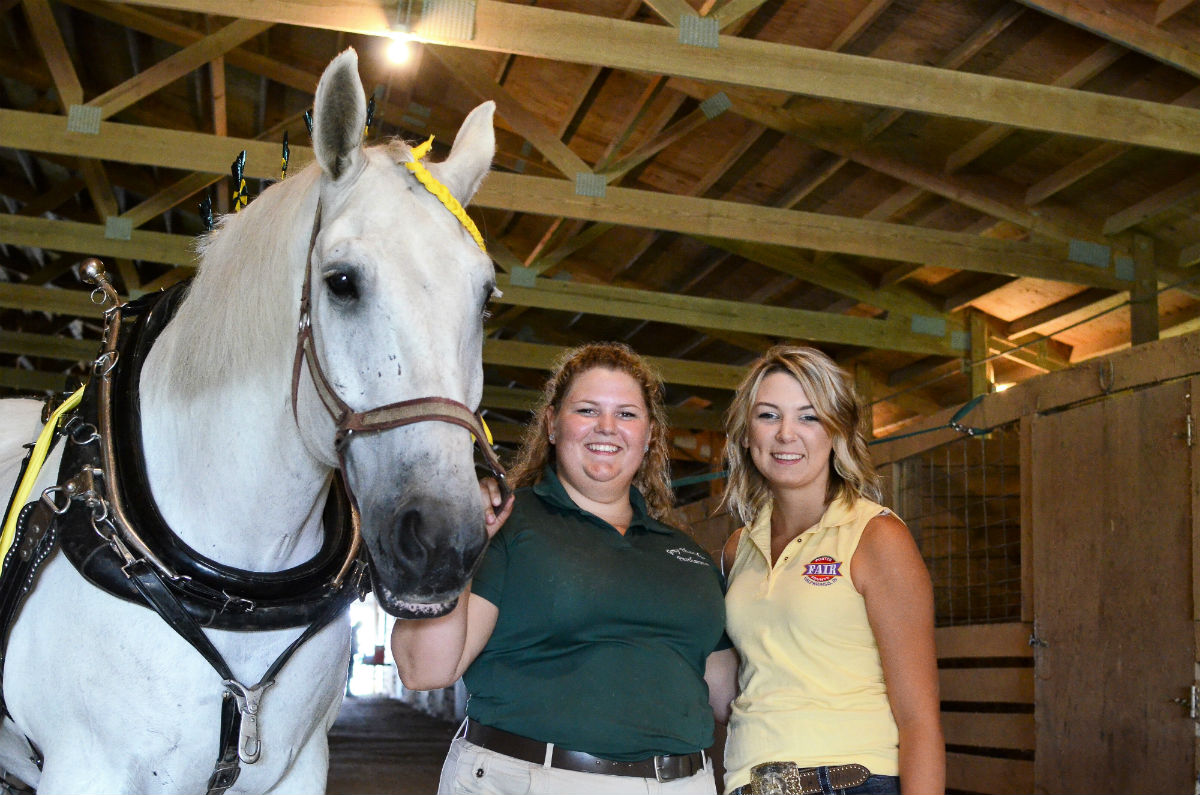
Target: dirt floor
(380, 746)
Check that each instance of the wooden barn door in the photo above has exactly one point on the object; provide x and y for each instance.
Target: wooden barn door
(1112, 549)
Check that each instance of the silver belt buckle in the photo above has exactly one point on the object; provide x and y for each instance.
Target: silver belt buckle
(659, 764)
(775, 778)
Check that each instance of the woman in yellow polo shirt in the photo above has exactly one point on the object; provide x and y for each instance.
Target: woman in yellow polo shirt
(829, 603)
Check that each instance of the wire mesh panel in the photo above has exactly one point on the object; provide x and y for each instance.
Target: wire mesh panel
(962, 502)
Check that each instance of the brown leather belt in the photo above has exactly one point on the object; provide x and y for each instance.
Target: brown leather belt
(787, 778)
(663, 768)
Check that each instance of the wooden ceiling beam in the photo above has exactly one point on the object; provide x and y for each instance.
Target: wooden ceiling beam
(733, 220)
(1184, 190)
(31, 380)
(1169, 8)
(178, 65)
(997, 200)
(70, 92)
(48, 346)
(639, 208)
(1093, 161)
(734, 11)
(53, 198)
(552, 294)
(277, 71)
(90, 240)
(522, 121)
(75, 303)
(670, 11)
(711, 313)
(1074, 77)
(1111, 21)
(636, 46)
(832, 275)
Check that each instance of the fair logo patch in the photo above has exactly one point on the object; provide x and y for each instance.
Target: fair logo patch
(688, 556)
(823, 570)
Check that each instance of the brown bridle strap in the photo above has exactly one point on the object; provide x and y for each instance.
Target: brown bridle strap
(393, 415)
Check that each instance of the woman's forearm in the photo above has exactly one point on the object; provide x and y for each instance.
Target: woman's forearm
(922, 760)
(428, 651)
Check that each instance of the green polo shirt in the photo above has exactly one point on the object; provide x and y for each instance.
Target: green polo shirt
(602, 638)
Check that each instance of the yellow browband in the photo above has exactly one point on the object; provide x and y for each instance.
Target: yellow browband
(442, 192)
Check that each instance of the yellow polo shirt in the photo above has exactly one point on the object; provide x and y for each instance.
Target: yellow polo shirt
(811, 687)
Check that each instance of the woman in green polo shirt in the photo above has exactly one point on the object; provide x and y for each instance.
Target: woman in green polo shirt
(591, 627)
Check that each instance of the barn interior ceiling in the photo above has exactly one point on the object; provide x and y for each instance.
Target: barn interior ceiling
(946, 197)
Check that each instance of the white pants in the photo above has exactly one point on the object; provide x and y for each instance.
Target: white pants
(472, 770)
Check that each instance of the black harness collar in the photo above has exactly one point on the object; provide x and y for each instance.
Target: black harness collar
(150, 566)
(218, 596)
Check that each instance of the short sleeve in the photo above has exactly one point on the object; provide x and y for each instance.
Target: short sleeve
(489, 578)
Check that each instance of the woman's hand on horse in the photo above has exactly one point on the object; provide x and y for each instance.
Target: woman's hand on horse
(493, 513)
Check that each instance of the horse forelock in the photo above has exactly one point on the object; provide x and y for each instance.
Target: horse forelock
(399, 151)
(241, 312)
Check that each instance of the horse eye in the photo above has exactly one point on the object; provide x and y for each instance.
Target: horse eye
(343, 285)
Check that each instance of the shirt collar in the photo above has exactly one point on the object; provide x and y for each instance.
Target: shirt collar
(839, 512)
(550, 490)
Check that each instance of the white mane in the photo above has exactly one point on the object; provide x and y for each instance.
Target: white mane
(243, 306)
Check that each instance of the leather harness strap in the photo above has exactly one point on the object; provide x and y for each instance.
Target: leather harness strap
(239, 727)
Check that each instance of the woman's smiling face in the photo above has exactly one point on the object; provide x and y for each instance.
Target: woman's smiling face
(787, 442)
(600, 432)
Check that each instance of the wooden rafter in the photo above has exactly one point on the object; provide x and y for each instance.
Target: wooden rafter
(1111, 21)
(689, 215)
(565, 36)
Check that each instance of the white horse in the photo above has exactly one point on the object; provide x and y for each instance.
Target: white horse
(114, 699)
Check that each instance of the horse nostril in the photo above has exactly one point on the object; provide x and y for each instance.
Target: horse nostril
(414, 548)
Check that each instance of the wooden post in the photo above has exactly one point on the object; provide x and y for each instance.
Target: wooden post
(1143, 298)
(864, 386)
(980, 375)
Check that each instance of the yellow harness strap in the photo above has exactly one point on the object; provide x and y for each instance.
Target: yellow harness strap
(36, 459)
(442, 192)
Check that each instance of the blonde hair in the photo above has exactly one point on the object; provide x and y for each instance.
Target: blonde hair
(827, 386)
(653, 478)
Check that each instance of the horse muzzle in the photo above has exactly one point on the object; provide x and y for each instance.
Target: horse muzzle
(421, 557)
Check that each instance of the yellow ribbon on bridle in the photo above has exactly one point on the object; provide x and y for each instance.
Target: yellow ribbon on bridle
(442, 192)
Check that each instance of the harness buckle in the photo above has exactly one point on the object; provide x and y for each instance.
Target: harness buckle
(248, 700)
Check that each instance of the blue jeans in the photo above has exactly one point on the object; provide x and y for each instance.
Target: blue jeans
(875, 785)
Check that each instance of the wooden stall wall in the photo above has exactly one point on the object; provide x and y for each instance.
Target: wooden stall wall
(986, 678)
(1087, 684)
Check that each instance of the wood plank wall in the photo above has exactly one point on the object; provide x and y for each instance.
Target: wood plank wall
(986, 677)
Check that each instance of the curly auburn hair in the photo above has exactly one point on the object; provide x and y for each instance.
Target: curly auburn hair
(851, 472)
(653, 477)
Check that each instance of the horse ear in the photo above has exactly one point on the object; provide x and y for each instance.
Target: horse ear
(339, 116)
(471, 156)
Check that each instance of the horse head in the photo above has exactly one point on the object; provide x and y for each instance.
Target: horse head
(398, 292)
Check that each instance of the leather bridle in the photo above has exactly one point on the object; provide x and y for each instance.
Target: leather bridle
(349, 423)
